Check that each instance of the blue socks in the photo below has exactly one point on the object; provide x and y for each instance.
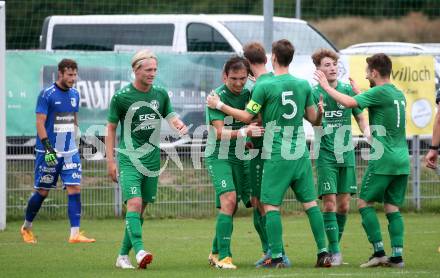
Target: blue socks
(34, 205)
(74, 209)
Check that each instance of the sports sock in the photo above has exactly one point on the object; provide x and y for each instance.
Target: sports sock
(332, 231)
(34, 205)
(372, 227)
(224, 232)
(317, 225)
(396, 230)
(258, 224)
(126, 242)
(74, 209)
(274, 231)
(341, 219)
(214, 249)
(134, 229)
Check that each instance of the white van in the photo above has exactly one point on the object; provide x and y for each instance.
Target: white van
(177, 33)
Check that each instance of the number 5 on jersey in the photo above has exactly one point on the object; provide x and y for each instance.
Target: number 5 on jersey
(286, 101)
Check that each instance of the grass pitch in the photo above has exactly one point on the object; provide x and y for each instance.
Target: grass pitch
(181, 247)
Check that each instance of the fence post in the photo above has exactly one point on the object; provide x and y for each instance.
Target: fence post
(268, 24)
(2, 117)
(117, 188)
(298, 9)
(416, 172)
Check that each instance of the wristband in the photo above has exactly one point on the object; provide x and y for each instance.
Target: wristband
(219, 105)
(433, 148)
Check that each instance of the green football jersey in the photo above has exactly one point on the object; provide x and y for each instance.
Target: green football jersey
(142, 112)
(282, 101)
(331, 150)
(236, 101)
(258, 141)
(386, 108)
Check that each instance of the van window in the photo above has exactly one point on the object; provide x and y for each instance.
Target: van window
(202, 37)
(106, 36)
(304, 37)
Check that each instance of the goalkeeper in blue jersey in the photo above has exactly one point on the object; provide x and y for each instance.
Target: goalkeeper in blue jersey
(56, 151)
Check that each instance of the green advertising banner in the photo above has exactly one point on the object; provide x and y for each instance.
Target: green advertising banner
(188, 78)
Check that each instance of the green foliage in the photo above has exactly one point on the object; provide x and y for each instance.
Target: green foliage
(24, 18)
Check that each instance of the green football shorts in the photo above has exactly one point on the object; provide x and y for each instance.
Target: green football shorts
(336, 180)
(134, 184)
(255, 175)
(388, 189)
(280, 175)
(228, 176)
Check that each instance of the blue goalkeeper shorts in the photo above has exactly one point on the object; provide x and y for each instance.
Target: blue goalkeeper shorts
(68, 167)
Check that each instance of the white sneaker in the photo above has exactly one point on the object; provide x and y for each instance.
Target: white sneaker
(123, 261)
(337, 259)
(376, 261)
(143, 258)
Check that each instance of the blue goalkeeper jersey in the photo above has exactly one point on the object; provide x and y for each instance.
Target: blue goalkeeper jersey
(60, 107)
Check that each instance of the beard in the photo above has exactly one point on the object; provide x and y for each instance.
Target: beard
(372, 83)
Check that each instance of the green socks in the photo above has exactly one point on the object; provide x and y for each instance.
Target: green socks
(126, 243)
(317, 225)
(134, 229)
(372, 227)
(274, 231)
(259, 225)
(341, 219)
(223, 233)
(396, 229)
(332, 231)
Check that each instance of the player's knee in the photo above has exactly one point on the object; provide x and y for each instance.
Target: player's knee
(389, 208)
(309, 205)
(329, 206)
(43, 192)
(255, 202)
(343, 208)
(134, 204)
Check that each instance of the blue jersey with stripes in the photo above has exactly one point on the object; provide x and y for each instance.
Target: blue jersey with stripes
(60, 107)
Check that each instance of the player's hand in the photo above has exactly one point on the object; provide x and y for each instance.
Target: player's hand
(354, 86)
(322, 80)
(321, 105)
(212, 100)
(181, 128)
(254, 130)
(431, 159)
(51, 158)
(111, 170)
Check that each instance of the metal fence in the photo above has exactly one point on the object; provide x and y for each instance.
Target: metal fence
(187, 192)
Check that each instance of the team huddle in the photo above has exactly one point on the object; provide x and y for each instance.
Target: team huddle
(256, 150)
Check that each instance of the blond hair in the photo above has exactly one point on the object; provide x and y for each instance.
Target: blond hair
(140, 56)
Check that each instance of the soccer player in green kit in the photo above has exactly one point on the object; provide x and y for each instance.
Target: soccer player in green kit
(335, 159)
(228, 171)
(284, 101)
(386, 177)
(139, 107)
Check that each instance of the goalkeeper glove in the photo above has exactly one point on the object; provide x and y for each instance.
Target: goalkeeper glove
(50, 155)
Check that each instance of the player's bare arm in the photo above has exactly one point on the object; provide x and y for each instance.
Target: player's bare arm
(313, 114)
(343, 99)
(213, 101)
(109, 147)
(41, 130)
(252, 130)
(432, 155)
(363, 125)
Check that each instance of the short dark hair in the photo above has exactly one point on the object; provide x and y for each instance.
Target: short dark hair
(67, 64)
(236, 63)
(324, 53)
(380, 62)
(255, 53)
(283, 51)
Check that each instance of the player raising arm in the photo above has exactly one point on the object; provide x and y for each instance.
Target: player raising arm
(386, 177)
